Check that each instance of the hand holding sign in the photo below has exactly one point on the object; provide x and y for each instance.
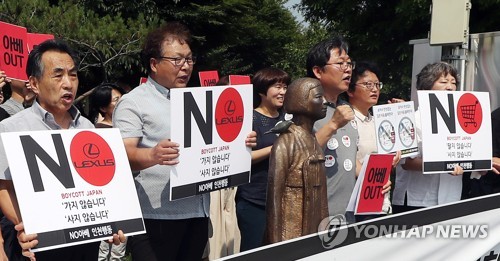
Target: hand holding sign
(165, 152)
(3, 82)
(373, 181)
(3, 79)
(26, 241)
(396, 159)
(387, 187)
(118, 238)
(251, 140)
(457, 171)
(395, 100)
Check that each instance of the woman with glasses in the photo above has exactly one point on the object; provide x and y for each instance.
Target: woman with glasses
(413, 189)
(270, 85)
(363, 93)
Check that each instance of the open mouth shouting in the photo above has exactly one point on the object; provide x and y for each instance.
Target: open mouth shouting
(68, 98)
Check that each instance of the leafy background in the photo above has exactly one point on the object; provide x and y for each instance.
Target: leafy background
(238, 36)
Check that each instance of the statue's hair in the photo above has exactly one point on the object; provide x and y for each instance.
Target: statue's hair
(296, 97)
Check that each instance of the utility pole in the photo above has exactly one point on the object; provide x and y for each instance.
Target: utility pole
(450, 29)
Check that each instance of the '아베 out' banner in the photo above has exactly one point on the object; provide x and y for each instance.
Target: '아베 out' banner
(13, 51)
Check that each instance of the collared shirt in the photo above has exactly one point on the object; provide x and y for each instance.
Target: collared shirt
(12, 106)
(32, 119)
(425, 190)
(144, 113)
(367, 140)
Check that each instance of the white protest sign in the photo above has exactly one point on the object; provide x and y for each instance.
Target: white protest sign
(396, 130)
(73, 186)
(211, 125)
(456, 129)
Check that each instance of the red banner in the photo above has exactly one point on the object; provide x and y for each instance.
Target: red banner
(239, 79)
(13, 51)
(35, 39)
(208, 78)
(374, 176)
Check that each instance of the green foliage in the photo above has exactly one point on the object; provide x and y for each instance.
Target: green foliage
(380, 31)
(237, 36)
(108, 44)
(232, 36)
(241, 37)
(296, 52)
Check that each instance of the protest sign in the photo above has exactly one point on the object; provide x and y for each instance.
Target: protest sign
(395, 126)
(73, 186)
(456, 129)
(208, 78)
(239, 79)
(35, 39)
(13, 51)
(212, 124)
(367, 197)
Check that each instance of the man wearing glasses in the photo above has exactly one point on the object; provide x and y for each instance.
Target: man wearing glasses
(329, 62)
(176, 230)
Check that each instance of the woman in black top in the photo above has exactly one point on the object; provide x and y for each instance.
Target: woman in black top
(270, 86)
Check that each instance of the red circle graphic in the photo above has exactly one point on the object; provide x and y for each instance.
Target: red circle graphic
(229, 114)
(92, 158)
(470, 113)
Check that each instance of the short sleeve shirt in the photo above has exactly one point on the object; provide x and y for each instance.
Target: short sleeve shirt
(144, 113)
(425, 190)
(340, 163)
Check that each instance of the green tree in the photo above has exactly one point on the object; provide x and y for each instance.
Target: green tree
(380, 30)
(232, 36)
(296, 51)
(237, 36)
(108, 45)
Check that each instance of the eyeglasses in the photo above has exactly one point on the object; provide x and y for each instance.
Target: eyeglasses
(371, 85)
(344, 65)
(179, 61)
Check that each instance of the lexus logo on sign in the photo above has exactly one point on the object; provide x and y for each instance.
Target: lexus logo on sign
(229, 107)
(229, 115)
(92, 158)
(91, 150)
